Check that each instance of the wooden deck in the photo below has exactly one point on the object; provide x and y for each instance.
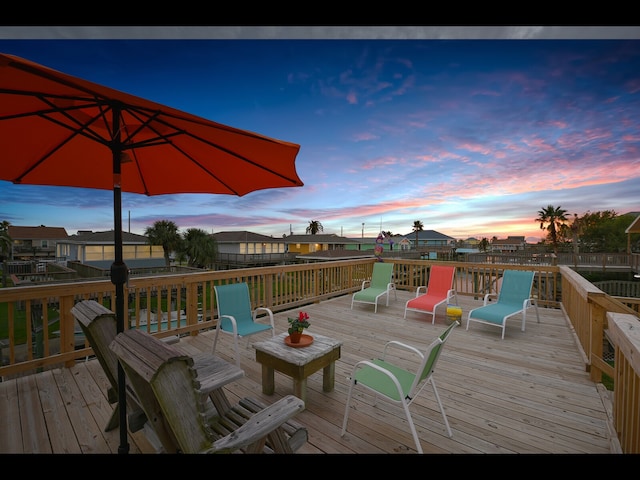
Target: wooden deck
(528, 393)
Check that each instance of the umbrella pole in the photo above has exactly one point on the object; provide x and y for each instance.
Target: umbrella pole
(119, 274)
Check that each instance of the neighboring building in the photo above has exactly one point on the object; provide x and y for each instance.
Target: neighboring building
(303, 244)
(97, 249)
(35, 243)
(431, 239)
(243, 249)
(509, 244)
(248, 243)
(369, 243)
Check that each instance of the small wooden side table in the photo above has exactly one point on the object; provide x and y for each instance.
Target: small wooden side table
(297, 363)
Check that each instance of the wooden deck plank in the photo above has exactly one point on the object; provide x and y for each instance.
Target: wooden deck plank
(528, 393)
(62, 436)
(11, 432)
(32, 421)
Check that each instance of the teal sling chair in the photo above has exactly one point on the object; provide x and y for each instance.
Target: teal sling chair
(514, 298)
(235, 316)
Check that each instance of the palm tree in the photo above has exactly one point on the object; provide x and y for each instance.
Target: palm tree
(5, 248)
(5, 239)
(165, 233)
(576, 229)
(554, 217)
(314, 227)
(417, 227)
(200, 248)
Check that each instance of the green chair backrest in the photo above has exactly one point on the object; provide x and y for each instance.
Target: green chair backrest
(432, 356)
(382, 275)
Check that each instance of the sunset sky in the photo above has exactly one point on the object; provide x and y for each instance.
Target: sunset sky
(471, 136)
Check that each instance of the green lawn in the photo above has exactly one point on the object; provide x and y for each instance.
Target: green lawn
(20, 323)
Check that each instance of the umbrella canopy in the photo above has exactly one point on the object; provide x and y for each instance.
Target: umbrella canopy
(57, 129)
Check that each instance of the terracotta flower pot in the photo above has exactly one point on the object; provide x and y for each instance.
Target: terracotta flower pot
(295, 337)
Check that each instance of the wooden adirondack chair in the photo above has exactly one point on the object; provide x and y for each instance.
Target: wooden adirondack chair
(170, 393)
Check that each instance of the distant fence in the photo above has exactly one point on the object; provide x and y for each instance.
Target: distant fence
(619, 288)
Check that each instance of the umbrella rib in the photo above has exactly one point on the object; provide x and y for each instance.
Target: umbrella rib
(222, 149)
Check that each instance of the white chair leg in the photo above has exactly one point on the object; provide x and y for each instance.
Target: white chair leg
(346, 409)
(413, 427)
(444, 415)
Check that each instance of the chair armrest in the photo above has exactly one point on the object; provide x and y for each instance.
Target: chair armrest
(258, 426)
(528, 302)
(419, 289)
(489, 296)
(232, 319)
(365, 284)
(264, 309)
(403, 346)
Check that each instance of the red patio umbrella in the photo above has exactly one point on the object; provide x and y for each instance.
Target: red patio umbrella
(57, 129)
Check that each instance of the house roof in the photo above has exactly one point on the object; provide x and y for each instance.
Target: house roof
(243, 236)
(319, 238)
(509, 241)
(428, 235)
(634, 227)
(336, 254)
(36, 233)
(107, 238)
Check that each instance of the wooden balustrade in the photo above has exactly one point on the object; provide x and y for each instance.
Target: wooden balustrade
(189, 297)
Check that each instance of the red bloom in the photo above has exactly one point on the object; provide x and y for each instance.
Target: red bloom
(303, 316)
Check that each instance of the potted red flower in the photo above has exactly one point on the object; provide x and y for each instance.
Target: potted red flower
(297, 326)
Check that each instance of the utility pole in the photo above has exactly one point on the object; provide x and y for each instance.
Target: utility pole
(363, 230)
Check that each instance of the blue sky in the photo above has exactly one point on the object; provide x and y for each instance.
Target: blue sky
(470, 136)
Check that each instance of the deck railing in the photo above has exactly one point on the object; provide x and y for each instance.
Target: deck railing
(180, 304)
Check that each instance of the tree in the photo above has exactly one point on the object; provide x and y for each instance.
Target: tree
(576, 230)
(551, 219)
(5, 247)
(314, 227)
(199, 248)
(417, 227)
(605, 231)
(165, 233)
(484, 244)
(5, 240)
